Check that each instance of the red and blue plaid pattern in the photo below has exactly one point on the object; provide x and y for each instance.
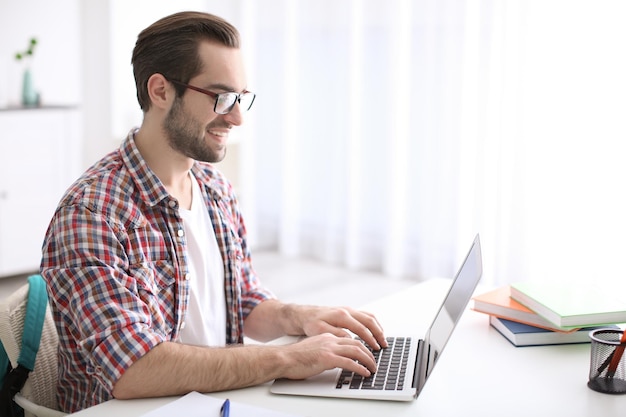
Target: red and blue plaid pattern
(114, 259)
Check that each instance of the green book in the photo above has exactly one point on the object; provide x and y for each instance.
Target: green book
(573, 305)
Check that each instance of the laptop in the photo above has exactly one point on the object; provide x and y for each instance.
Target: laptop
(410, 361)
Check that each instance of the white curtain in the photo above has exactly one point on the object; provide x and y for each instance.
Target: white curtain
(386, 133)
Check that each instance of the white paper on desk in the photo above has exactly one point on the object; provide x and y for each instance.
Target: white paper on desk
(195, 404)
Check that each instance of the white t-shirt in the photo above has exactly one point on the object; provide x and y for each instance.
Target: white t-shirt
(205, 323)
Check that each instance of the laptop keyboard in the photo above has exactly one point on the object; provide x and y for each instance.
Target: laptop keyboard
(391, 368)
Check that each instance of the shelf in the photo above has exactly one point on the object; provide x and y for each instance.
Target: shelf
(42, 108)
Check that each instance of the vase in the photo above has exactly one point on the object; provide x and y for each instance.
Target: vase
(29, 95)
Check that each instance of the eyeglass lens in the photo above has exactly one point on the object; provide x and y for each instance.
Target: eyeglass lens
(226, 101)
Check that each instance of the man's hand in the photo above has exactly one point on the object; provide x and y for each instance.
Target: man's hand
(336, 320)
(272, 319)
(316, 354)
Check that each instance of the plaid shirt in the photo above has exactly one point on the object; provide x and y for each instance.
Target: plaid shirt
(115, 262)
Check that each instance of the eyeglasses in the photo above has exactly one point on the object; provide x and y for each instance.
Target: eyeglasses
(224, 102)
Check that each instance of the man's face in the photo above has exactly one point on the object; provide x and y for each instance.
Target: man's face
(191, 126)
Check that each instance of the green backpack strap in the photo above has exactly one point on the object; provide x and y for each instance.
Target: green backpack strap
(15, 378)
(33, 322)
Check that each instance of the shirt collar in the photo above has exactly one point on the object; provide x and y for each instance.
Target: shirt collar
(151, 188)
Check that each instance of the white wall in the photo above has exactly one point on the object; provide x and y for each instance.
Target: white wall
(70, 65)
(95, 17)
(56, 63)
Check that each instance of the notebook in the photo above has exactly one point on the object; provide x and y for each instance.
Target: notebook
(417, 358)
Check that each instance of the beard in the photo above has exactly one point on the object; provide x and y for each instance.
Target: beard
(186, 135)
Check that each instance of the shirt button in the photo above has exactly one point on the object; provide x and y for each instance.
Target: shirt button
(182, 325)
(181, 232)
(172, 203)
(187, 276)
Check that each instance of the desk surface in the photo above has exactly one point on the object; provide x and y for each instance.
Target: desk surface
(479, 373)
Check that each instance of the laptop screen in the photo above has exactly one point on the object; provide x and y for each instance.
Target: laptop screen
(454, 305)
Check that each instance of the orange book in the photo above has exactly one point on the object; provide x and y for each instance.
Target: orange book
(499, 303)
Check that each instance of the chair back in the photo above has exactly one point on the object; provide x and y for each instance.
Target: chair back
(41, 385)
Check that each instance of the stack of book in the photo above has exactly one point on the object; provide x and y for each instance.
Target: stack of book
(532, 313)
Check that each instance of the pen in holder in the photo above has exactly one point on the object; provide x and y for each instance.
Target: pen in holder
(607, 372)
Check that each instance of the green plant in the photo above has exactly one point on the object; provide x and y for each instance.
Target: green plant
(28, 52)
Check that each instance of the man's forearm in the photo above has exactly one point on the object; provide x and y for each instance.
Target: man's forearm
(176, 369)
(271, 319)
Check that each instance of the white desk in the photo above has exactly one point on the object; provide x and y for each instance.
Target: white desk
(479, 374)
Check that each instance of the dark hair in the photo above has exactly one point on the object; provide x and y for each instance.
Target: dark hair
(170, 47)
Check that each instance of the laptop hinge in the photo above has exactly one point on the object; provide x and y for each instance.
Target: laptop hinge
(418, 379)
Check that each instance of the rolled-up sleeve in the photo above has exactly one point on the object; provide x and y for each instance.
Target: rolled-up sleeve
(106, 309)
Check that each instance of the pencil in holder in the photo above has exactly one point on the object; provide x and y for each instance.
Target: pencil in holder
(607, 371)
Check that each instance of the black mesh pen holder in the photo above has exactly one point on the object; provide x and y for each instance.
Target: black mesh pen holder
(607, 371)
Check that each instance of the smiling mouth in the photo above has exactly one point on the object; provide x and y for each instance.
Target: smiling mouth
(218, 134)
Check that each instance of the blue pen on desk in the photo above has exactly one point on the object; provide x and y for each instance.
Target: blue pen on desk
(225, 410)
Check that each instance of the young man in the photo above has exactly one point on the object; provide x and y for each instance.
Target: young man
(146, 259)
